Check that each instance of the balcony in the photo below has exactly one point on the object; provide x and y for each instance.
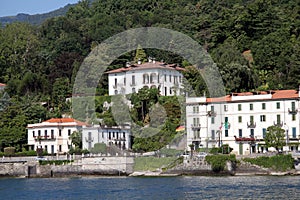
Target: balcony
(211, 113)
(251, 124)
(44, 138)
(279, 124)
(196, 127)
(293, 111)
(119, 139)
(89, 139)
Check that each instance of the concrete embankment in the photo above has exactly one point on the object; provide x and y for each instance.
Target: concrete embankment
(103, 165)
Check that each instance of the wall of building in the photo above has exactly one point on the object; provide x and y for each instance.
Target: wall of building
(245, 118)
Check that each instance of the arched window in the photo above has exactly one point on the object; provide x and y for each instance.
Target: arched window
(145, 78)
(153, 78)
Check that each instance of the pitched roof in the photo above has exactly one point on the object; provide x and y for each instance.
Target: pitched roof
(259, 95)
(65, 120)
(2, 85)
(147, 65)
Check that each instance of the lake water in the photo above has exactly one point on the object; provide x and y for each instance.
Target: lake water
(195, 187)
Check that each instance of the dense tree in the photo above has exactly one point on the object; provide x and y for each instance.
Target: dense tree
(274, 137)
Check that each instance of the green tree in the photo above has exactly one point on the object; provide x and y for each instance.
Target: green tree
(76, 138)
(274, 137)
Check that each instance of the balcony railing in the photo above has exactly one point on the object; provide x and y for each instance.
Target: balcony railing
(251, 124)
(196, 127)
(293, 111)
(41, 138)
(279, 124)
(89, 139)
(211, 113)
(120, 139)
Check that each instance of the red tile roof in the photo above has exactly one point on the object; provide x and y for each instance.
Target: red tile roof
(147, 65)
(2, 85)
(276, 94)
(65, 120)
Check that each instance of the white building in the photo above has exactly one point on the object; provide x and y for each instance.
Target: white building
(53, 135)
(119, 136)
(166, 77)
(241, 120)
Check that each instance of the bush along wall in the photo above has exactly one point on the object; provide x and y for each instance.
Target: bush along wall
(218, 162)
(277, 162)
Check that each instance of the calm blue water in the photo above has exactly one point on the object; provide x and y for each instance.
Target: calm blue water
(197, 187)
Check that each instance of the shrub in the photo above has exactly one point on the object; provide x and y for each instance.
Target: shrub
(55, 162)
(9, 151)
(277, 162)
(218, 162)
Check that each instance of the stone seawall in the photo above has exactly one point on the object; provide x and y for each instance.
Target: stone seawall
(84, 166)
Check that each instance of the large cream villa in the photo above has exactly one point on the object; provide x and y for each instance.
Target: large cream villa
(241, 120)
(166, 77)
(53, 135)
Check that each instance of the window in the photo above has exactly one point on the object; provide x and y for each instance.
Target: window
(46, 148)
(278, 119)
(39, 133)
(133, 90)
(109, 135)
(252, 132)
(195, 109)
(278, 105)
(59, 132)
(33, 133)
(170, 78)
(293, 106)
(263, 118)
(225, 107)
(212, 108)
(212, 120)
(213, 134)
(226, 124)
(52, 133)
(145, 78)
(59, 148)
(165, 78)
(293, 117)
(115, 85)
(133, 80)
(196, 121)
(240, 119)
(69, 132)
(264, 131)
(102, 134)
(153, 78)
(240, 133)
(45, 133)
(294, 133)
(239, 107)
(226, 133)
(180, 79)
(263, 106)
(251, 119)
(116, 91)
(251, 106)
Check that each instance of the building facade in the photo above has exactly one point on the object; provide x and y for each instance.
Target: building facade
(166, 77)
(53, 135)
(119, 136)
(241, 120)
